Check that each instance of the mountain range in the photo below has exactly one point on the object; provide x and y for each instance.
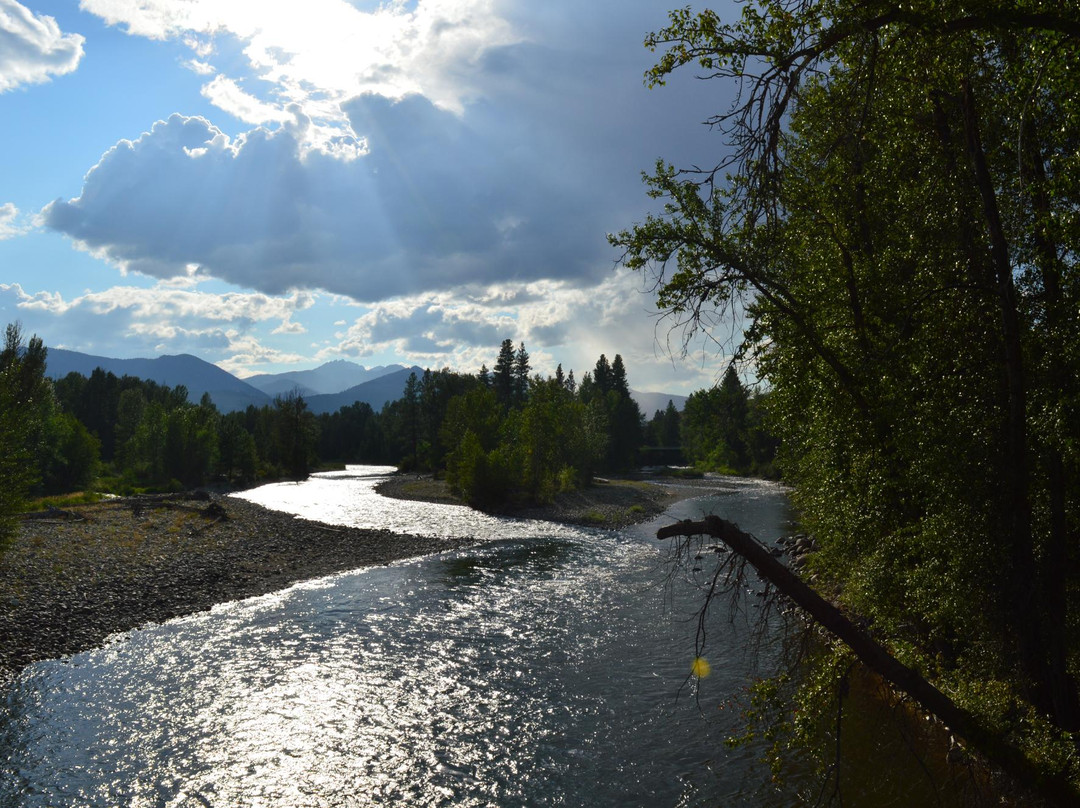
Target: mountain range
(326, 388)
(333, 377)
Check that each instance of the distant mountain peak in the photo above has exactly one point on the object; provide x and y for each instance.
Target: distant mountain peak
(197, 375)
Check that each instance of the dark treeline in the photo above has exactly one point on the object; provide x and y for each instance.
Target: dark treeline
(723, 429)
(504, 435)
(150, 435)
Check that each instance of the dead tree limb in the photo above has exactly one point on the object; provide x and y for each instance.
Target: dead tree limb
(1056, 789)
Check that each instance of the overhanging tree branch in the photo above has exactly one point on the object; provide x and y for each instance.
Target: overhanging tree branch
(876, 657)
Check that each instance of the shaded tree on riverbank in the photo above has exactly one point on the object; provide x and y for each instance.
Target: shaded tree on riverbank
(723, 429)
(897, 220)
(527, 439)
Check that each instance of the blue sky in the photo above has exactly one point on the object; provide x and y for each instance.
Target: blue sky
(272, 185)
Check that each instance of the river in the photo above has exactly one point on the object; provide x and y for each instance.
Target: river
(546, 666)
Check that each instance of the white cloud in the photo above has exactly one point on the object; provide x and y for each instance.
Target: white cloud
(419, 159)
(331, 50)
(127, 319)
(10, 225)
(559, 323)
(227, 95)
(33, 49)
(420, 210)
(289, 327)
(200, 67)
(247, 352)
(403, 196)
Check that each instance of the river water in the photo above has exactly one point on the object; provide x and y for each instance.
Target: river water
(547, 665)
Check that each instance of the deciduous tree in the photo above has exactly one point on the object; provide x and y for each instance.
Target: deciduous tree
(897, 220)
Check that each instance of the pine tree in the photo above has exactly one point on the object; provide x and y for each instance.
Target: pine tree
(521, 375)
(503, 375)
(602, 375)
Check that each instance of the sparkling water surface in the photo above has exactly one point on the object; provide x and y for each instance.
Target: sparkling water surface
(548, 665)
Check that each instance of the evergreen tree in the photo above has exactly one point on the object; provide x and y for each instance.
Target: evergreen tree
(296, 432)
(410, 402)
(502, 377)
(602, 375)
(618, 377)
(25, 395)
(669, 432)
(521, 375)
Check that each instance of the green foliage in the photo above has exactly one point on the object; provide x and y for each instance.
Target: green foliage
(352, 434)
(607, 393)
(472, 473)
(502, 377)
(238, 457)
(898, 222)
(506, 447)
(723, 430)
(663, 429)
(25, 405)
(296, 434)
(72, 461)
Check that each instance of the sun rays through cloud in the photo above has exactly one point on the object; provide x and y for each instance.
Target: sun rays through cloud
(278, 184)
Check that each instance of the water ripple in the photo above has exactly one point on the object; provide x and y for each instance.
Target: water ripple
(540, 668)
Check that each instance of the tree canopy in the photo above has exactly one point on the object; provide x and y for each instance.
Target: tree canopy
(898, 217)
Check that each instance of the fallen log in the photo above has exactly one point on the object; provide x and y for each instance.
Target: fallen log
(996, 750)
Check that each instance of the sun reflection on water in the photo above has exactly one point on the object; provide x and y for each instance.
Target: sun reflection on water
(541, 668)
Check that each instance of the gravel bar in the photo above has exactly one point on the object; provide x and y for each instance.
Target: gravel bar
(72, 578)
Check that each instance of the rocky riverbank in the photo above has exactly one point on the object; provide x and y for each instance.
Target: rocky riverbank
(72, 578)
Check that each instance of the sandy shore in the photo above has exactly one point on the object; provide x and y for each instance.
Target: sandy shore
(70, 580)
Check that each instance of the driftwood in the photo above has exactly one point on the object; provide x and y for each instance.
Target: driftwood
(875, 656)
(54, 515)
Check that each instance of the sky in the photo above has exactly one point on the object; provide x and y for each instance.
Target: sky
(271, 185)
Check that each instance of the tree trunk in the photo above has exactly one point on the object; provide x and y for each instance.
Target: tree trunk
(998, 752)
(1025, 591)
(1055, 552)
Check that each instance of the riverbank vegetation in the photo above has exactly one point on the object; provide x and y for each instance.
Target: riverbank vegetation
(504, 438)
(896, 217)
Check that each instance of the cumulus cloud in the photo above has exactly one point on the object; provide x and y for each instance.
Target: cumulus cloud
(226, 94)
(331, 48)
(560, 323)
(451, 166)
(425, 208)
(10, 221)
(127, 319)
(518, 179)
(33, 49)
(200, 67)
